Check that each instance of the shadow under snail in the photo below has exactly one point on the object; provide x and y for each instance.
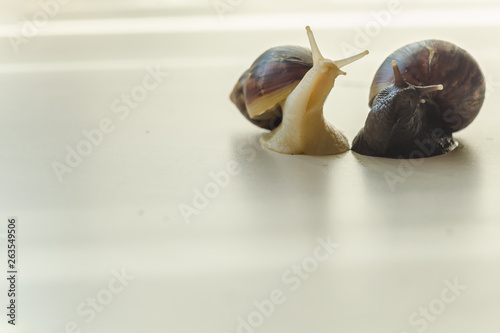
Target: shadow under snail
(420, 95)
(284, 90)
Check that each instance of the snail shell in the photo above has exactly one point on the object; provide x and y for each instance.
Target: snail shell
(268, 81)
(432, 62)
(412, 115)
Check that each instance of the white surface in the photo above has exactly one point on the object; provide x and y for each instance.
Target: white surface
(120, 207)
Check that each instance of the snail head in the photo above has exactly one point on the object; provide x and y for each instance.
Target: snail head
(402, 100)
(397, 111)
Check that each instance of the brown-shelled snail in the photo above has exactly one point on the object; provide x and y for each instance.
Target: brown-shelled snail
(420, 95)
(284, 90)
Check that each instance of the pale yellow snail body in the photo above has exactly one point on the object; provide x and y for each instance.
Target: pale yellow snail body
(299, 100)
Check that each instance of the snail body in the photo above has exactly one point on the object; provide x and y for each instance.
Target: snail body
(420, 95)
(284, 91)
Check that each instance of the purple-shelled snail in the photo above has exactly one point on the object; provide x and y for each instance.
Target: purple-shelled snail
(284, 91)
(420, 95)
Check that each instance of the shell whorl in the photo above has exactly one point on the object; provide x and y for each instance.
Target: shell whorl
(268, 81)
(432, 62)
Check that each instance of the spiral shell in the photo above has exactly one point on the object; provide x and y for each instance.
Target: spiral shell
(269, 80)
(432, 62)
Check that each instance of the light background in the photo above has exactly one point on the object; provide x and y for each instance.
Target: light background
(119, 208)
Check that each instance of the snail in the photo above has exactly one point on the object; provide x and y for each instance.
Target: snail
(284, 90)
(420, 95)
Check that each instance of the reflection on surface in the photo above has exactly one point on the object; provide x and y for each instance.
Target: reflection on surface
(446, 185)
(295, 188)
